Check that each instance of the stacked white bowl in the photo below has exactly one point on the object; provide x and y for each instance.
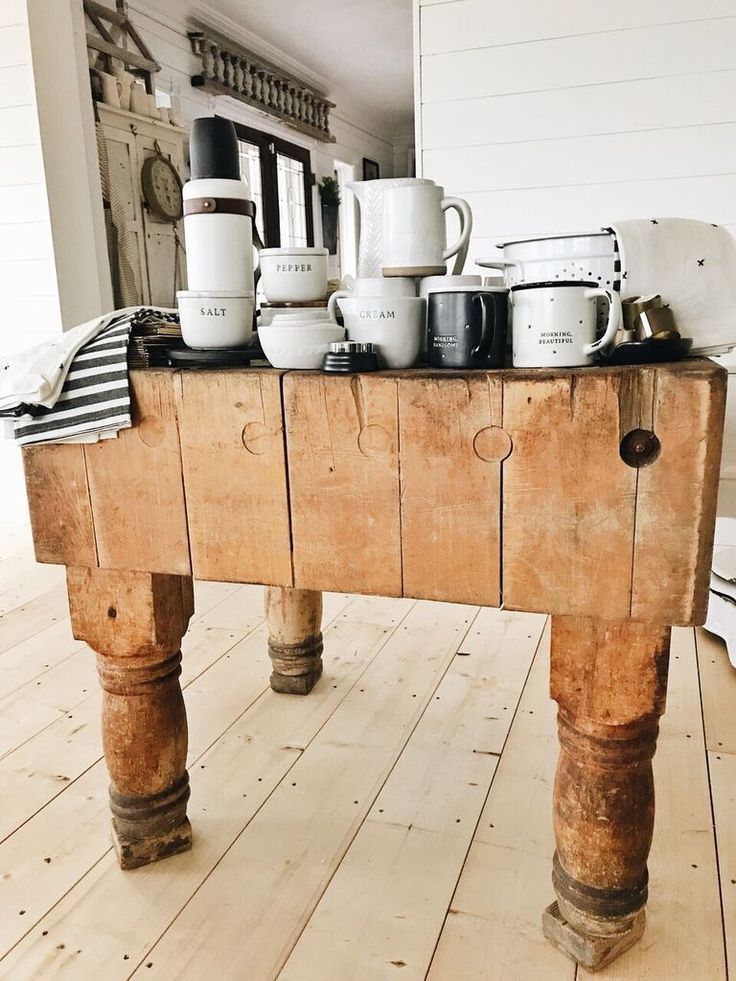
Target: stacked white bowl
(296, 337)
(386, 313)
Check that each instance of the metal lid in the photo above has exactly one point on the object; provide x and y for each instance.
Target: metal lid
(552, 284)
(552, 238)
(351, 347)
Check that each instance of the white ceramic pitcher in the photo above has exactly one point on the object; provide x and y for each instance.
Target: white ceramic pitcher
(414, 236)
(370, 195)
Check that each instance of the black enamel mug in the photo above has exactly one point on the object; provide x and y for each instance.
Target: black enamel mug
(466, 328)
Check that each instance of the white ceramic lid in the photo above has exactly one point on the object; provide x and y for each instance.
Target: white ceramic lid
(213, 294)
(294, 250)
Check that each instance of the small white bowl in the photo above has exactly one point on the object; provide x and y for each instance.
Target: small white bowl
(215, 318)
(269, 314)
(294, 275)
(315, 316)
(302, 346)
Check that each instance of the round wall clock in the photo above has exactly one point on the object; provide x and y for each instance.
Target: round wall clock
(162, 188)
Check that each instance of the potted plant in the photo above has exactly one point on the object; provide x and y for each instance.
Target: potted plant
(329, 195)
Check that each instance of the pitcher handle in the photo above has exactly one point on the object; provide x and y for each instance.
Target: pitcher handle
(332, 302)
(459, 248)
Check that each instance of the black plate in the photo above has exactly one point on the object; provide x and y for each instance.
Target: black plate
(222, 357)
(649, 352)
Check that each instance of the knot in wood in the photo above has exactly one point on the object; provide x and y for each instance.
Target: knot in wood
(256, 438)
(151, 430)
(374, 441)
(492, 444)
(640, 448)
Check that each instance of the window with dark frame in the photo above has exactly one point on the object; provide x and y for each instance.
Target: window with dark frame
(280, 180)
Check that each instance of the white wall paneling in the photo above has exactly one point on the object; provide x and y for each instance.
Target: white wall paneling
(565, 117)
(611, 56)
(590, 110)
(475, 23)
(659, 154)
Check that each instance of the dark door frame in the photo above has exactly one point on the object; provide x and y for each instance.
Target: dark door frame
(269, 146)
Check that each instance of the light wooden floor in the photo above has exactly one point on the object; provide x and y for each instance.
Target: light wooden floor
(393, 824)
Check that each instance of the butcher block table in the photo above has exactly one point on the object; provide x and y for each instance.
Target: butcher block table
(587, 494)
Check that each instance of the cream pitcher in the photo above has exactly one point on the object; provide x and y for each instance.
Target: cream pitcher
(414, 233)
(370, 195)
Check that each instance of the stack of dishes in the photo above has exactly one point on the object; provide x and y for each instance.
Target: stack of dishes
(721, 618)
(299, 338)
(296, 336)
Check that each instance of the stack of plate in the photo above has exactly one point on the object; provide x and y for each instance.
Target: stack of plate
(721, 618)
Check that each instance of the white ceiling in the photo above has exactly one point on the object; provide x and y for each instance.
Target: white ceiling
(361, 48)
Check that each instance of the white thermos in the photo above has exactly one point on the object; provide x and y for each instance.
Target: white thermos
(218, 211)
(217, 309)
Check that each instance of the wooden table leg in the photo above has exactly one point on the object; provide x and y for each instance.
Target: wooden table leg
(294, 638)
(609, 679)
(135, 622)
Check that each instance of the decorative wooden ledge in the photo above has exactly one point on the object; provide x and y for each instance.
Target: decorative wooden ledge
(589, 494)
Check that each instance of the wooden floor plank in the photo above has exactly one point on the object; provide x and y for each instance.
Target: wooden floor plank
(493, 929)
(27, 661)
(386, 904)
(229, 784)
(29, 581)
(32, 617)
(291, 849)
(718, 681)
(722, 768)
(40, 702)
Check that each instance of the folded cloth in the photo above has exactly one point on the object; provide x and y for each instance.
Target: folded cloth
(94, 401)
(36, 376)
(692, 264)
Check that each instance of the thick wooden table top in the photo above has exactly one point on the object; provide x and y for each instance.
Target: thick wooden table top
(474, 487)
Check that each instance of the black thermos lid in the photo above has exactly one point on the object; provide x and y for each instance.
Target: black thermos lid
(213, 149)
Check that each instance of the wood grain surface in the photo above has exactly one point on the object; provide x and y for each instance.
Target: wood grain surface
(343, 452)
(136, 487)
(233, 460)
(451, 449)
(505, 486)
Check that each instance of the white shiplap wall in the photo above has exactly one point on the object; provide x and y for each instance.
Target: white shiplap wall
(27, 272)
(567, 116)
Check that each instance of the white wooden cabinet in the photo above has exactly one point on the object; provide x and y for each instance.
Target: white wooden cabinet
(157, 264)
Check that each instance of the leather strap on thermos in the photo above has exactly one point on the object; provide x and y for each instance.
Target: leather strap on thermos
(219, 206)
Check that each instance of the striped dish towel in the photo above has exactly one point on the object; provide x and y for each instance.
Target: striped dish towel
(94, 402)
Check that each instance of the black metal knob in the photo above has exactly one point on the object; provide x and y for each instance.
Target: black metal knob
(640, 448)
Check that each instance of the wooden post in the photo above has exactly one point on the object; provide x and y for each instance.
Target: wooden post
(294, 638)
(135, 622)
(609, 679)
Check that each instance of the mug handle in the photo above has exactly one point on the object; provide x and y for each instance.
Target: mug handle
(614, 320)
(459, 248)
(332, 302)
(486, 337)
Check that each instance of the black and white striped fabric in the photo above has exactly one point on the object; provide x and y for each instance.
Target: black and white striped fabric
(95, 399)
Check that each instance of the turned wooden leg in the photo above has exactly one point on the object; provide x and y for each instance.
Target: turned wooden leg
(609, 679)
(294, 638)
(135, 622)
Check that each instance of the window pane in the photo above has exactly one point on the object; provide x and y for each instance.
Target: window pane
(250, 169)
(292, 206)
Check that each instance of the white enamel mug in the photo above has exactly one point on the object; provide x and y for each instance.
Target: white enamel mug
(554, 324)
(414, 234)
